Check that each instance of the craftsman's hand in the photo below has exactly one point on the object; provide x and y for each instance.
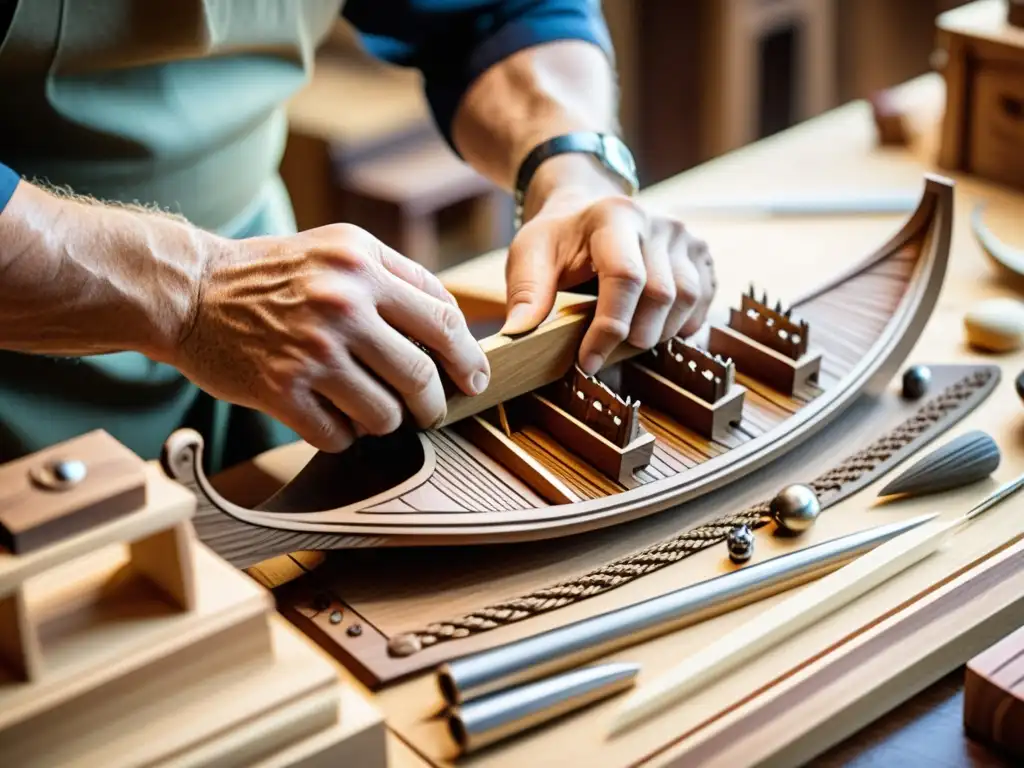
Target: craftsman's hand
(655, 280)
(315, 330)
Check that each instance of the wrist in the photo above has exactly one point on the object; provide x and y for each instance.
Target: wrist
(178, 258)
(145, 269)
(571, 178)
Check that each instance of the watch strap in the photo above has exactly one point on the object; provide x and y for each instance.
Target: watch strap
(585, 142)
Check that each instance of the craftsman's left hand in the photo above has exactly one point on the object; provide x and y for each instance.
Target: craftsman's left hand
(655, 279)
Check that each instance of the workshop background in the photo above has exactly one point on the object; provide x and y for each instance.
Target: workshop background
(698, 78)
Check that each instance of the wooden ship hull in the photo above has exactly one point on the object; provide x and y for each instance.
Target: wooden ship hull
(559, 454)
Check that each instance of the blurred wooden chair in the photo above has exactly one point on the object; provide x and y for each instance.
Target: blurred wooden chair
(363, 149)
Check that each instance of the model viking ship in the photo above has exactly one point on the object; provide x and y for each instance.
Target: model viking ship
(552, 452)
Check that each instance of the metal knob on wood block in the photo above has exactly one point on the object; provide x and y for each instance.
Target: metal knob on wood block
(59, 475)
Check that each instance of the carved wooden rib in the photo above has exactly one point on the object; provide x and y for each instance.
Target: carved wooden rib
(445, 490)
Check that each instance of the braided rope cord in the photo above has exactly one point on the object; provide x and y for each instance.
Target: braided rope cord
(668, 551)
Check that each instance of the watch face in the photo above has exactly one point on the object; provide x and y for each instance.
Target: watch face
(618, 157)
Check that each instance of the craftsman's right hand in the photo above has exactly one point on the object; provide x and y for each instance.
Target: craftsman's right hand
(314, 330)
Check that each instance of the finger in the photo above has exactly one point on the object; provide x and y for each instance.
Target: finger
(357, 394)
(404, 367)
(414, 274)
(316, 422)
(440, 327)
(531, 280)
(687, 281)
(658, 297)
(615, 252)
(700, 256)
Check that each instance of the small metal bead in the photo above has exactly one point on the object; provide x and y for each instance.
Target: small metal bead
(740, 543)
(335, 617)
(59, 475)
(795, 508)
(915, 381)
(354, 630)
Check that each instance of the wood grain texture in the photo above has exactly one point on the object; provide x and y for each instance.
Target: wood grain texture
(993, 708)
(32, 516)
(924, 730)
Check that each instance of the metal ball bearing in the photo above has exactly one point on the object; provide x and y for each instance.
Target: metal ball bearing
(915, 381)
(795, 508)
(740, 542)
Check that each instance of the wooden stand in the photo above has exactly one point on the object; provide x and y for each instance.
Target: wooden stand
(140, 646)
(982, 53)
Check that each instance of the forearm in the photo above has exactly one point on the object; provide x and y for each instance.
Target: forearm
(78, 278)
(533, 95)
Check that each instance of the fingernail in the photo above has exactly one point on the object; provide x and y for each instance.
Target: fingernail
(518, 319)
(591, 363)
(479, 382)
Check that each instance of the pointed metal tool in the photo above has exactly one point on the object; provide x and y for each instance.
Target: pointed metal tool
(967, 459)
(785, 619)
(521, 661)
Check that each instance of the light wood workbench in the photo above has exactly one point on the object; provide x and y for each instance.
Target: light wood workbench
(835, 152)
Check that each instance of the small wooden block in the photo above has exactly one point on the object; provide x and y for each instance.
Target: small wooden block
(759, 362)
(706, 419)
(994, 696)
(618, 463)
(33, 516)
(889, 121)
(1015, 13)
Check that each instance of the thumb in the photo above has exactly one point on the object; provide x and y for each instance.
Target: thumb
(531, 279)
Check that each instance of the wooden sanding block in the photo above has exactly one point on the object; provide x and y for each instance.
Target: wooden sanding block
(994, 696)
(66, 489)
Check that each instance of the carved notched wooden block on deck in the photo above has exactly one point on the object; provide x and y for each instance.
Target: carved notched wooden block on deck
(593, 421)
(768, 345)
(688, 383)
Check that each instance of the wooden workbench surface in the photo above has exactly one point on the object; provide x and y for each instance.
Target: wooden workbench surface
(833, 154)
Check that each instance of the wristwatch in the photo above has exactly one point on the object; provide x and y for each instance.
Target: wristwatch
(608, 149)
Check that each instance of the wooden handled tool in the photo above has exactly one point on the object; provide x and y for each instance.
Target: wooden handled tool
(803, 609)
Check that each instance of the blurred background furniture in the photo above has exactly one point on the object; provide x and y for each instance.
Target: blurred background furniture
(697, 78)
(363, 149)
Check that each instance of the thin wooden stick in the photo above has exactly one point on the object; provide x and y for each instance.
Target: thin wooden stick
(803, 609)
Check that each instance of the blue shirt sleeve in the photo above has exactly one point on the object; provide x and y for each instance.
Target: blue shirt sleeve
(8, 183)
(452, 42)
